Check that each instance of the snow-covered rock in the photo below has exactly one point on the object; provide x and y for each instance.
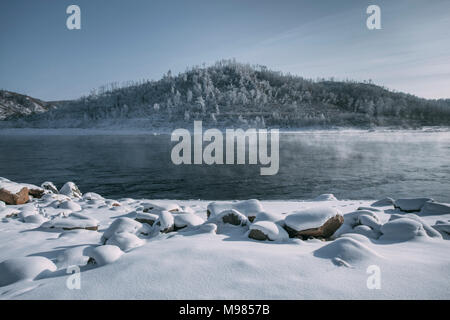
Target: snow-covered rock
(103, 255)
(69, 205)
(360, 217)
(383, 202)
(431, 232)
(249, 208)
(319, 222)
(125, 224)
(72, 257)
(71, 222)
(125, 241)
(158, 208)
(182, 220)
(411, 205)
(26, 268)
(230, 216)
(443, 227)
(145, 217)
(165, 222)
(269, 216)
(267, 230)
(347, 250)
(35, 218)
(48, 185)
(325, 197)
(435, 208)
(70, 189)
(401, 229)
(92, 196)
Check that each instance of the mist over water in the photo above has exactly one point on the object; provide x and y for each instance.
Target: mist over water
(351, 165)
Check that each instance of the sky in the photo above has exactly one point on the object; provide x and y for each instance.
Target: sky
(128, 40)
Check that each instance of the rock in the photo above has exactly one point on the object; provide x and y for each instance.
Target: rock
(72, 222)
(313, 222)
(125, 225)
(72, 257)
(165, 222)
(103, 255)
(182, 220)
(69, 205)
(443, 227)
(145, 217)
(249, 208)
(27, 268)
(357, 218)
(70, 189)
(47, 185)
(383, 202)
(157, 209)
(125, 241)
(347, 250)
(435, 208)
(269, 216)
(401, 229)
(92, 196)
(232, 217)
(411, 205)
(325, 197)
(431, 232)
(366, 231)
(14, 198)
(267, 230)
(369, 208)
(35, 218)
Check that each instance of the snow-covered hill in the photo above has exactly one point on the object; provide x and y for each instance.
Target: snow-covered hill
(15, 105)
(229, 94)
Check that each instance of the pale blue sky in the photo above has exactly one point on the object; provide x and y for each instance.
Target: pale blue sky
(142, 39)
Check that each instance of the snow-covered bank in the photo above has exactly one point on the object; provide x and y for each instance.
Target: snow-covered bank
(165, 249)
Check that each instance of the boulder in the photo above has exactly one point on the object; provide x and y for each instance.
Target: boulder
(318, 222)
(402, 229)
(103, 255)
(182, 220)
(360, 218)
(232, 217)
(267, 230)
(27, 268)
(145, 217)
(125, 224)
(72, 222)
(325, 197)
(14, 197)
(435, 208)
(47, 185)
(125, 241)
(383, 202)
(249, 208)
(165, 222)
(411, 205)
(70, 189)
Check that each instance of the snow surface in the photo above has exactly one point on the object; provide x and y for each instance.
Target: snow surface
(210, 259)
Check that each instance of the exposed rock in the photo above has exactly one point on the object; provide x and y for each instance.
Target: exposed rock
(267, 230)
(318, 222)
(9, 197)
(182, 220)
(411, 205)
(165, 222)
(47, 185)
(325, 231)
(232, 217)
(145, 217)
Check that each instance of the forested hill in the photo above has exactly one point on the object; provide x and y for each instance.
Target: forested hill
(230, 94)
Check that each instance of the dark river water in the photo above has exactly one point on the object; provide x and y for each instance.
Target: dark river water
(351, 165)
